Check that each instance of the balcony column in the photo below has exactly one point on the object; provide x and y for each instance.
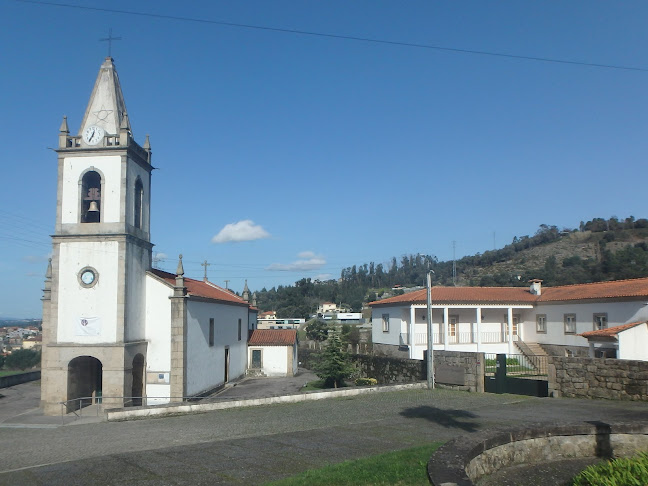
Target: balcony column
(446, 320)
(410, 336)
(509, 318)
(478, 321)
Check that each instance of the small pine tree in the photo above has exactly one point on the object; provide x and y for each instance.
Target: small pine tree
(333, 366)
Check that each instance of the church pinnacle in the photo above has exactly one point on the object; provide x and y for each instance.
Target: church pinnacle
(106, 108)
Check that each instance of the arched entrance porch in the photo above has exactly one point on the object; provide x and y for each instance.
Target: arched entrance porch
(138, 380)
(84, 382)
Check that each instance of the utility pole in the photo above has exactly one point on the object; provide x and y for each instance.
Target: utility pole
(430, 344)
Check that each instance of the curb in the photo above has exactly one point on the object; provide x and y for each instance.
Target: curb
(118, 415)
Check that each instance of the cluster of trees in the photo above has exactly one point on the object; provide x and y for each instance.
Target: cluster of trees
(368, 282)
(21, 359)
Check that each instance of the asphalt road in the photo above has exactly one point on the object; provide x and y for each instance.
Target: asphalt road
(257, 444)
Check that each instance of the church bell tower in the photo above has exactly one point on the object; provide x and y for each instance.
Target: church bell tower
(94, 344)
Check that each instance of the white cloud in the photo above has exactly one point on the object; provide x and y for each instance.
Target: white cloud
(323, 277)
(307, 261)
(244, 230)
(160, 256)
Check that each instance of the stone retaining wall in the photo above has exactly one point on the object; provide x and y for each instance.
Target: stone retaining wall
(615, 379)
(11, 380)
(389, 370)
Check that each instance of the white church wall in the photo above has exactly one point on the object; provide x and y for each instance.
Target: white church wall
(617, 313)
(73, 167)
(158, 335)
(137, 259)
(206, 364)
(633, 343)
(98, 301)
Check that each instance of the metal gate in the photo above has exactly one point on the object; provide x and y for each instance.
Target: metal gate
(516, 373)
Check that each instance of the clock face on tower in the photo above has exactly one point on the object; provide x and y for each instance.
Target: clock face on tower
(93, 135)
(87, 277)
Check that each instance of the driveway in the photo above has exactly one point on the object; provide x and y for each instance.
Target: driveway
(257, 444)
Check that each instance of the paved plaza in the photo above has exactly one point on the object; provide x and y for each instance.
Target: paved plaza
(257, 444)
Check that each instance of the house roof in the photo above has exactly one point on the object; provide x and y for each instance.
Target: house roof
(611, 331)
(198, 288)
(636, 288)
(463, 294)
(273, 337)
(266, 314)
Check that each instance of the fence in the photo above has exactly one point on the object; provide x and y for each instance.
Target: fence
(517, 365)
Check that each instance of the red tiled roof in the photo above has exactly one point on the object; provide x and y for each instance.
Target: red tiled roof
(611, 331)
(199, 288)
(637, 287)
(464, 294)
(273, 337)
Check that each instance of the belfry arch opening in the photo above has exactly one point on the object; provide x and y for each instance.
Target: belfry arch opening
(139, 196)
(85, 376)
(91, 197)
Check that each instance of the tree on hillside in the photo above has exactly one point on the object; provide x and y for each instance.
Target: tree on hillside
(333, 366)
(317, 330)
(22, 359)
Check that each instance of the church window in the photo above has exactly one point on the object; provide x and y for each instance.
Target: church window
(91, 197)
(239, 329)
(139, 195)
(211, 331)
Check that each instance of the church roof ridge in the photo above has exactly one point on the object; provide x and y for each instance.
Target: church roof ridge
(199, 288)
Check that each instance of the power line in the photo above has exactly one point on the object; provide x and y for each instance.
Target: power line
(340, 36)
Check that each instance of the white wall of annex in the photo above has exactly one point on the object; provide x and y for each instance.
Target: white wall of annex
(206, 364)
(633, 343)
(274, 359)
(393, 335)
(73, 167)
(618, 313)
(76, 301)
(158, 326)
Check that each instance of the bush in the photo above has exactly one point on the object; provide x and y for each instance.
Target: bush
(618, 472)
(22, 359)
(366, 382)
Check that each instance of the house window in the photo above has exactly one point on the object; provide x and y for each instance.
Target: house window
(385, 322)
(239, 330)
(91, 197)
(541, 323)
(600, 321)
(139, 195)
(452, 325)
(570, 323)
(516, 323)
(211, 331)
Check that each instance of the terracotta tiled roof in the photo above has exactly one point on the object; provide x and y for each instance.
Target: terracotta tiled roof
(611, 331)
(273, 337)
(202, 289)
(637, 287)
(464, 295)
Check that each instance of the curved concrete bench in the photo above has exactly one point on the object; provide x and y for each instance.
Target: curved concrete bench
(468, 458)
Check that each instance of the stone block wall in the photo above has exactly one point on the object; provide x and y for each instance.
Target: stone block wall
(614, 379)
(387, 370)
(472, 365)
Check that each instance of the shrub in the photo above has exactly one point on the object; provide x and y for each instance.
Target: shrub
(366, 382)
(618, 472)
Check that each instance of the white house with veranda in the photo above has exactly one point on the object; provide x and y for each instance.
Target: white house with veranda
(507, 319)
(115, 330)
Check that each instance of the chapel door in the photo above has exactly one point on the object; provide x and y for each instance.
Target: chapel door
(256, 358)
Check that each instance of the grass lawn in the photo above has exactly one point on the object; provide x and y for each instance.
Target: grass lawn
(403, 468)
(8, 372)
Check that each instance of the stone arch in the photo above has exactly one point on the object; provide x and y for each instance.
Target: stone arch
(138, 379)
(85, 377)
(91, 190)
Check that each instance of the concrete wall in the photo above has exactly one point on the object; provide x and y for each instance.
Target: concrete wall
(17, 379)
(615, 379)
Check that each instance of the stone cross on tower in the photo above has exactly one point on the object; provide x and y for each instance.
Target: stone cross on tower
(205, 264)
(109, 39)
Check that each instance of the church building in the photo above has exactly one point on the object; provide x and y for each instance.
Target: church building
(115, 329)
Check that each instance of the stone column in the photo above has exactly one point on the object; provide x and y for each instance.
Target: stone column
(410, 332)
(178, 378)
(446, 320)
(509, 318)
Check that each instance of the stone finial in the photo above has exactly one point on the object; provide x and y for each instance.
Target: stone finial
(64, 126)
(124, 125)
(246, 292)
(180, 269)
(48, 272)
(254, 299)
(147, 144)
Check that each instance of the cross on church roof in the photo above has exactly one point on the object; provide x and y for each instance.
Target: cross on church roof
(109, 39)
(205, 264)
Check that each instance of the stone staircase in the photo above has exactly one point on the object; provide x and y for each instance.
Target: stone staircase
(535, 354)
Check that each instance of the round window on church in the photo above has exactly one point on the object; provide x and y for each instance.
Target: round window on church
(88, 277)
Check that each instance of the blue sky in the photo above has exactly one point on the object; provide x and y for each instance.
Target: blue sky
(324, 153)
